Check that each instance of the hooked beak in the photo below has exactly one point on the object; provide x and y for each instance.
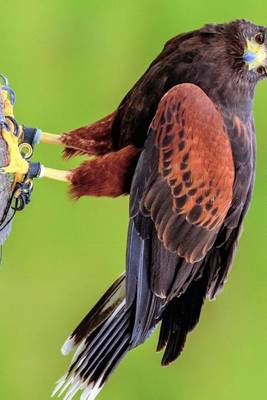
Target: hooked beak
(255, 54)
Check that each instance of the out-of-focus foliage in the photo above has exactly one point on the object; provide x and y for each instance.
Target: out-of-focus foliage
(71, 62)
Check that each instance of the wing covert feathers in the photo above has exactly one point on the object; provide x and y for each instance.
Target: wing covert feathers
(195, 172)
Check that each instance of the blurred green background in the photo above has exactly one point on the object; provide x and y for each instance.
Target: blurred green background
(71, 62)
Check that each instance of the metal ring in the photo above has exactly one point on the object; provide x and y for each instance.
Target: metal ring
(29, 182)
(28, 153)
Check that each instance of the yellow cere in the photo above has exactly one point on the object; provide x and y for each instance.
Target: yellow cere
(259, 53)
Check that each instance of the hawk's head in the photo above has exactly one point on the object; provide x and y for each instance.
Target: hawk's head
(225, 60)
(246, 46)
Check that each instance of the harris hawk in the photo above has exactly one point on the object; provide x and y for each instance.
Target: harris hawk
(182, 145)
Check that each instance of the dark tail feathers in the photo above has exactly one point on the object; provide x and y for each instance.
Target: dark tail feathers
(103, 338)
(180, 317)
(106, 334)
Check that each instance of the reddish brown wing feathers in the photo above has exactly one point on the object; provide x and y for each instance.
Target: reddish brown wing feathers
(196, 163)
(195, 152)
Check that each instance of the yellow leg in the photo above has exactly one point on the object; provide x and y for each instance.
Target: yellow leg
(17, 164)
(50, 138)
(55, 174)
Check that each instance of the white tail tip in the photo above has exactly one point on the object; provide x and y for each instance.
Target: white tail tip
(68, 346)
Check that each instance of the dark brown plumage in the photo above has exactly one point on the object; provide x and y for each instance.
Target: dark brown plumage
(182, 142)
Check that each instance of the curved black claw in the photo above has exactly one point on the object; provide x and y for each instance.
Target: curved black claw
(15, 125)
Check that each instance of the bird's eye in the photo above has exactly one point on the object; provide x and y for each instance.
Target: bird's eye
(260, 38)
(261, 70)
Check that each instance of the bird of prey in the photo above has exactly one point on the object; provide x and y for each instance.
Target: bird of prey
(182, 145)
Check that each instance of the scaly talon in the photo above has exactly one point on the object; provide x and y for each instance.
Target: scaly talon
(17, 164)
